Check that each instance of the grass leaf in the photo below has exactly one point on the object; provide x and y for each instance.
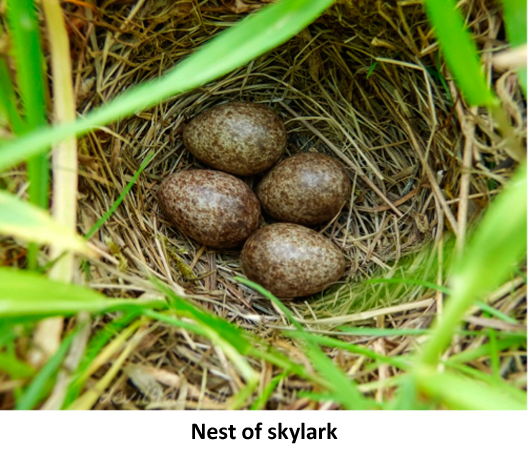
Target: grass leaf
(458, 392)
(343, 388)
(8, 99)
(27, 295)
(14, 367)
(29, 63)
(26, 221)
(515, 19)
(120, 199)
(497, 245)
(483, 306)
(460, 51)
(37, 389)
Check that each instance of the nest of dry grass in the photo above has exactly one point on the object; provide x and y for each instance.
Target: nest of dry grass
(363, 84)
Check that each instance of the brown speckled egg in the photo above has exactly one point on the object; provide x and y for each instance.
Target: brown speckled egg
(308, 188)
(291, 260)
(214, 208)
(238, 138)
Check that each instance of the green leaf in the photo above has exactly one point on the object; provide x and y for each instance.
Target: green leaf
(29, 63)
(120, 199)
(485, 350)
(8, 99)
(398, 362)
(251, 37)
(343, 388)
(98, 341)
(458, 392)
(28, 222)
(427, 284)
(14, 367)
(460, 51)
(498, 244)
(515, 18)
(38, 387)
(261, 401)
(27, 295)
(407, 396)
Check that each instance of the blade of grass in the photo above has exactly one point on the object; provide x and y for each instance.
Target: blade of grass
(217, 337)
(90, 397)
(497, 246)
(344, 389)
(261, 401)
(426, 284)
(99, 350)
(245, 343)
(37, 388)
(251, 37)
(515, 19)
(8, 100)
(373, 332)
(460, 51)
(357, 349)
(14, 367)
(461, 54)
(28, 222)
(28, 296)
(483, 351)
(119, 200)
(29, 61)
(458, 392)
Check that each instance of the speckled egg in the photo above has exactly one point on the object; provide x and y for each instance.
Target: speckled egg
(291, 260)
(238, 138)
(308, 188)
(214, 208)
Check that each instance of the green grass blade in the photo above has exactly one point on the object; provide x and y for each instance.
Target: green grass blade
(120, 199)
(227, 331)
(258, 33)
(231, 351)
(484, 350)
(27, 295)
(261, 401)
(483, 306)
(397, 362)
(458, 392)
(29, 60)
(406, 396)
(343, 388)
(515, 18)
(94, 347)
(498, 244)
(14, 367)
(28, 222)
(374, 332)
(8, 100)
(460, 51)
(37, 388)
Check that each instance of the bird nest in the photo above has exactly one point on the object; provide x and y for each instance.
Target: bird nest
(363, 84)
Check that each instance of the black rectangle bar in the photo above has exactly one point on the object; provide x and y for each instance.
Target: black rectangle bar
(265, 433)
